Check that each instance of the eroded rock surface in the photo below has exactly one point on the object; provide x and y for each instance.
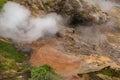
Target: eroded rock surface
(68, 65)
(79, 11)
(77, 49)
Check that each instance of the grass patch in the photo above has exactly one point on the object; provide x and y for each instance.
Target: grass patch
(8, 51)
(106, 72)
(7, 64)
(43, 73)
(110, 72)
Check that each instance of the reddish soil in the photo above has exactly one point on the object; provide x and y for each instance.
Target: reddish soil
(68, 65)
(60, 62)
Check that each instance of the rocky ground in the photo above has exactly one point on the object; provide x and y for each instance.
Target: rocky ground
(89, 50)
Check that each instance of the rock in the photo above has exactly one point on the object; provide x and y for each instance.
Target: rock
(7, 75)
(22, 48)
(27, 75)
(75, 43)
(74, 77)
(71, 64)
(96, 62)
(56, 59)
(79, 11)
(104, 74)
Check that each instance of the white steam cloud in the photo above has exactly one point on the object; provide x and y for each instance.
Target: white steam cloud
(16, 23)
(105, 5)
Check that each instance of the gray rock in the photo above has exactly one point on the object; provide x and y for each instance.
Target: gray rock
(79, 11)
(23, 49)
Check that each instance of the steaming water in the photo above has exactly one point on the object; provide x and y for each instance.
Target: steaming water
(16, 23)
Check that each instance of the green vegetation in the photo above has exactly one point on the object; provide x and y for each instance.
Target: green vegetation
(1, 3)
(8, 57)
(104, 74)
(7, 64)
(110, 72)
(43, 73)
(7, 51)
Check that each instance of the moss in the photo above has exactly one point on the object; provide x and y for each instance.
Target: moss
(104, 74)
(7, 64)
(43, 73)
(92, 76)
(110, 72)
(2, 3)
(8, 51)
(8, 57)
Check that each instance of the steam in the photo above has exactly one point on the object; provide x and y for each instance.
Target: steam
(16, 23)
(91, 33)
(95, 33)
(105, 5)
